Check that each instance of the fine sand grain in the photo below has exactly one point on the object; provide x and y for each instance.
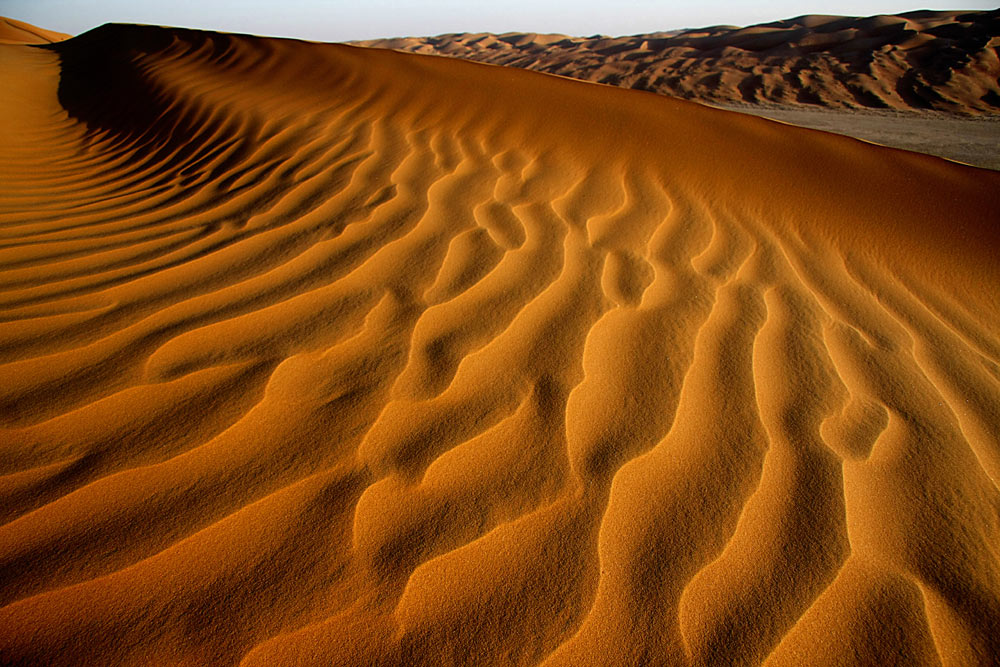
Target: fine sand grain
(314, 354)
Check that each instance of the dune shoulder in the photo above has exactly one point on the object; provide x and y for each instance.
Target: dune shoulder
(13, 31)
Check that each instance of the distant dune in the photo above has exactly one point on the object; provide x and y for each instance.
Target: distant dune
(18, 32)
(314, 354)
(919, 60)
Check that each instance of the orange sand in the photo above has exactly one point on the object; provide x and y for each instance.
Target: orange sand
(18, 32)
(314, 354)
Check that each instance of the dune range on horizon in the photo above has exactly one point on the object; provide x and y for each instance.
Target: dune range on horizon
(915, 61)
(316, 354)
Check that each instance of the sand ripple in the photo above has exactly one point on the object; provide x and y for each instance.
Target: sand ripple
(323, 355)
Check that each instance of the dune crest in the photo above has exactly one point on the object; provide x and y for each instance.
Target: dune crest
(313, 354)
(19, 32)
(946, 61)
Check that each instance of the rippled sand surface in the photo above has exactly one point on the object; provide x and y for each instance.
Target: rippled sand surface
(312, 354)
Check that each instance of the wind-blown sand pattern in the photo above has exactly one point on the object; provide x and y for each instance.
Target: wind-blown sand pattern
(314, 354)
(915, 61)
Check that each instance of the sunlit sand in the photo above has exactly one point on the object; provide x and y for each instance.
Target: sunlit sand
(315, 354)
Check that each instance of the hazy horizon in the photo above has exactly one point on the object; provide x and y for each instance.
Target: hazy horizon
(340, 21)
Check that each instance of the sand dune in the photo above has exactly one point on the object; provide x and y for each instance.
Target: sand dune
(19, 32)
(313, 354)
(918, 60)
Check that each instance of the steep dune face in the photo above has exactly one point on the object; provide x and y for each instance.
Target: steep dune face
(918, 60)
(322, 355)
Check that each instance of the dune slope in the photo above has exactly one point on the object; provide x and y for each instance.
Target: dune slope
(312, 354)
(920, 60)
(19, 32)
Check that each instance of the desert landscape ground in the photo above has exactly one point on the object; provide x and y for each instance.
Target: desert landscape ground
(313, 354)
(970, 140)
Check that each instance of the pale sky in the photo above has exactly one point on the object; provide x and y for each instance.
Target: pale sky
(342, 20)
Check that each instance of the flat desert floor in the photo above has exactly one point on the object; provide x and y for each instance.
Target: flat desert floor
(970, 140)
(320, 355)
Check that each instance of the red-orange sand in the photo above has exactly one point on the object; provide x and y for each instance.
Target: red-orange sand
(319, 355)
